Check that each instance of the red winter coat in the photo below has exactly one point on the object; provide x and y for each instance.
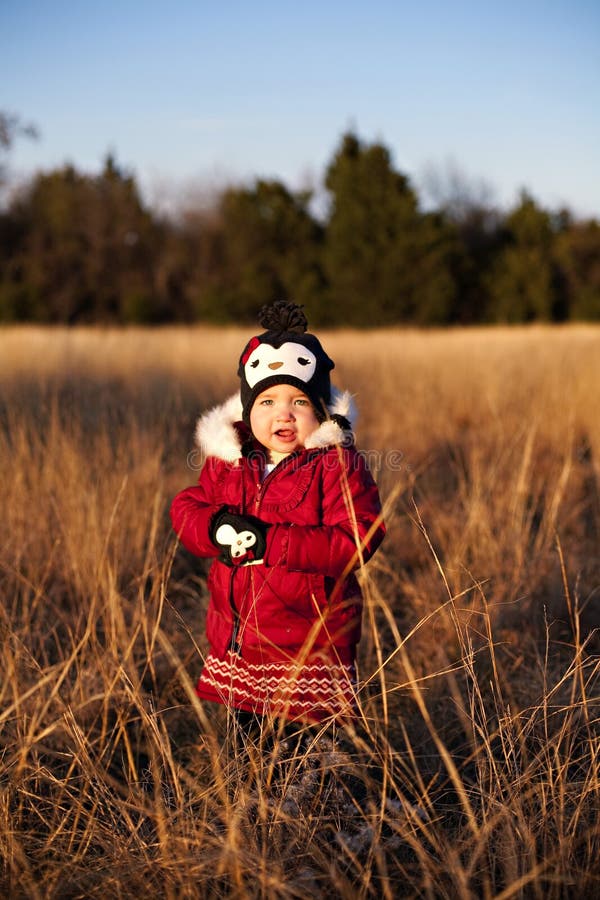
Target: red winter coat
(302, 605)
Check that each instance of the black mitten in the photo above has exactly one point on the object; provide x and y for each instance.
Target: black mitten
(240, 538)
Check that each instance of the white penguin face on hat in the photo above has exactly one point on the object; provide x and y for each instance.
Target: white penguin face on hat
(289, 359)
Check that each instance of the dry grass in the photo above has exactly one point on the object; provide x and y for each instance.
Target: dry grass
(479, 659)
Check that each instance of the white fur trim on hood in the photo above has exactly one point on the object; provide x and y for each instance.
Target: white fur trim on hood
(216, 434)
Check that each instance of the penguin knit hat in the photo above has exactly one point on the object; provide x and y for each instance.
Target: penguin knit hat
(284, 354)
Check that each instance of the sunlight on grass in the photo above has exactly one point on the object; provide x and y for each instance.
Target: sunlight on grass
(473, 769)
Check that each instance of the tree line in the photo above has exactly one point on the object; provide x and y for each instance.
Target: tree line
(80, 248)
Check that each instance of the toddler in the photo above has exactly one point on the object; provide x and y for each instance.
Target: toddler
(287, 509)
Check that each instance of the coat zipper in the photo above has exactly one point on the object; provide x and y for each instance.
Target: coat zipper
(234, 645)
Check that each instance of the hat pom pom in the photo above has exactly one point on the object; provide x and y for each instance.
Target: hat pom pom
(283, 316)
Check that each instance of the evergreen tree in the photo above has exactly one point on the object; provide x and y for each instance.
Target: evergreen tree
(522, 280)
(81, 249)
(578, 256)
(385, 262)
(265, 249)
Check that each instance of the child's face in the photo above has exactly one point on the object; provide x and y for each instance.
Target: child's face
(281, 418)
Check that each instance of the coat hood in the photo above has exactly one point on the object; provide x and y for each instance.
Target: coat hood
(218, 432)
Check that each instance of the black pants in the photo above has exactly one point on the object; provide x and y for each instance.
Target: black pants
(292, 755)
(257, 730)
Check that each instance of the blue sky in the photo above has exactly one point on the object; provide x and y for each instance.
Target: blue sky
(198, 93)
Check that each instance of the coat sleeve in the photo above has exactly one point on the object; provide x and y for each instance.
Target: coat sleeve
(193, 508)
(352, 526)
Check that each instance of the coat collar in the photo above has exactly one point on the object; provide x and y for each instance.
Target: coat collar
(219, 431)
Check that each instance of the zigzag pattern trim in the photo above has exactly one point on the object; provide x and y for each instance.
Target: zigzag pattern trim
(309, 688)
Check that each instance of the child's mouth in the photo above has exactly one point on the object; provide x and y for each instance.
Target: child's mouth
(285, 434)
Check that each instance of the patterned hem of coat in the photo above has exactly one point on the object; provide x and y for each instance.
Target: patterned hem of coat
(313, 690)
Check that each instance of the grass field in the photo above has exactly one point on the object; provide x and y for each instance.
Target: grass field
(474, 770)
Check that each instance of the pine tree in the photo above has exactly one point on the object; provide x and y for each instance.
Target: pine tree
(522, 279)
(385, 261)
(266, 248)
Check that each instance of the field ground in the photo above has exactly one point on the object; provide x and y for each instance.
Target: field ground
(474, 770)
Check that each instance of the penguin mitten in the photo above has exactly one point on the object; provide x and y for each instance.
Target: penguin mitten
(241, 539)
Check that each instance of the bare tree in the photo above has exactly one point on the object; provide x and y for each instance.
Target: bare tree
(463, 198)
(11, 128)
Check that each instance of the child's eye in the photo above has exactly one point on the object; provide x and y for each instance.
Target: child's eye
(266, 402)
(302, 402)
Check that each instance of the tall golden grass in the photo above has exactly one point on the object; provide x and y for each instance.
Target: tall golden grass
(474, 768)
